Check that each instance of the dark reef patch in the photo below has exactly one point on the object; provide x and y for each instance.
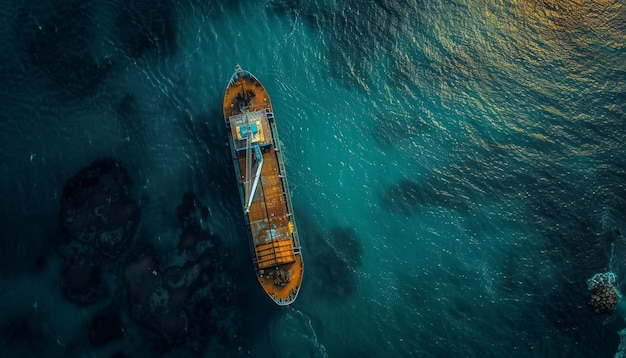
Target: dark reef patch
(489, 172)
(81, 279)
(405, 197)
(206, 133)
(174, 302)
(97, 210)
(405, 71)
(395, 129)
(192, 218)
(190, 237)
(128, 107)
(336, 280)
(145, 26)
(23, 335)
(570, 229)
(335, 257)
(188, 305)
(191, 211)
(577, 216)
(357, 30)
(152, 304)
(105, 327)
(57, 40)
(98, 221)
(347, 244)
(408, 197)
(286, 6)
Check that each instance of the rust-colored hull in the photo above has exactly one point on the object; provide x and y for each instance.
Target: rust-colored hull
(274, 241)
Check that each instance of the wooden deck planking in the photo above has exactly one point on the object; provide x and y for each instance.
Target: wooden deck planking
(268, 210)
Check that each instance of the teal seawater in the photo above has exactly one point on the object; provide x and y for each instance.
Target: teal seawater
(457, 169)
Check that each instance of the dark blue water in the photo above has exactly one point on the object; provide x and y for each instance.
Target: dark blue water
(457, 169)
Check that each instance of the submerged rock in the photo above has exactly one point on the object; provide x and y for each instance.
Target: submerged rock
(146, 27)
(336, 257)
(56, 38)
(23, 335)
(105, 327)
(96, 208)
(190, 210)
(191, 215)
(604, 295)
(99, 220)
(81, 280)
(188, 303)
(160, 299)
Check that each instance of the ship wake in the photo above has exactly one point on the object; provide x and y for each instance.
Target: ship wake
(292, 334)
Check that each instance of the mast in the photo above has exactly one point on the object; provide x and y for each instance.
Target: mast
(247, 184)
(250, 186)
(259, 162)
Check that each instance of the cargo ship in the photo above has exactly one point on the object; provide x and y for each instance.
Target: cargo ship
(262, 182)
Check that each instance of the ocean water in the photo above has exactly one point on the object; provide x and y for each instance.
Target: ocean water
(457, 170)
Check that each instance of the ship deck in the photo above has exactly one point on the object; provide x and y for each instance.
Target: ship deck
(274, 239)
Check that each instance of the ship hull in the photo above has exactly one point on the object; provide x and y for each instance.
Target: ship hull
(263, 188)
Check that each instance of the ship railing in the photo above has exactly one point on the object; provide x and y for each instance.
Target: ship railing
(235, 111)
(252, 108)
(283, 180)
(257, 107)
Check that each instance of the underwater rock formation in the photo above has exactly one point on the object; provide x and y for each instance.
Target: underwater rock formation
(191, 215)
(160, 299)
(406, 197)
(96, 208)
(184, 303)
(187, 302)
(409, 197)
(336, 258)
(81, 280)
(24, 336)
(99, 220)
(350, 249)
(604, 295)
(57, 41)
(145, 26)
(105, 327)
(191, 210)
